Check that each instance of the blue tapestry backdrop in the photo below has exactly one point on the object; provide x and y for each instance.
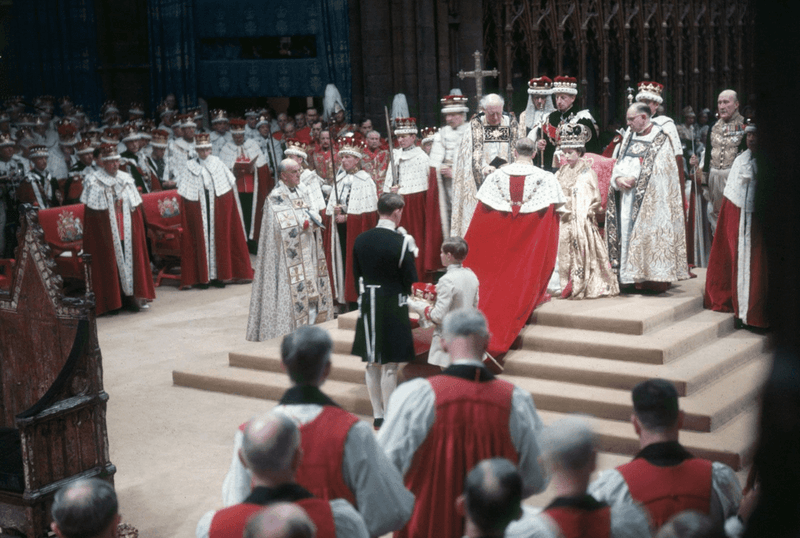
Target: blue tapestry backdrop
(237, 40)
(54, 50)
(171, 33)
(197, 48)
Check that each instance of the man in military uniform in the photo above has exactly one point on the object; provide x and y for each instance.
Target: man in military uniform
(726, 140)
(565, 90)
(376, 159)
(383, 267)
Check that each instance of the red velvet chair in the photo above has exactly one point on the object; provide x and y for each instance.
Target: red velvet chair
(6, 268)
(74, 189)
(63, 232)
(162, 218)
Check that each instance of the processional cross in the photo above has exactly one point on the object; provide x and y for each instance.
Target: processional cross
(478, 74)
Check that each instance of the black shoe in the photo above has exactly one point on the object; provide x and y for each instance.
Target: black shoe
(203, 286)
(217, 283)
(377, 423)
(130, 304)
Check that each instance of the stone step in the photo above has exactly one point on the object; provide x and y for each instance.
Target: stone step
(705, 411)
(731, 444)
(625, 314)
(690, 373)
(659, 347)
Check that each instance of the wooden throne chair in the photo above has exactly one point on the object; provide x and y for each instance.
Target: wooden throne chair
(52, 402)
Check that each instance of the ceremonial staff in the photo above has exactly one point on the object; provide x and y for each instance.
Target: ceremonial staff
(395, 171)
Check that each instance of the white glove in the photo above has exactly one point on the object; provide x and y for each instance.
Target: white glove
(415, 305)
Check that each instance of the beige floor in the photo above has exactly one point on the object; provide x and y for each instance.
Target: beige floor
(172, 445)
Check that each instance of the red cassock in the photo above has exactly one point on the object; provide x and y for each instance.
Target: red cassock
(433, 228)
(233, 258)
(99, 242)
(669, 490)
(513, 256)
(322, 441)
(230, 522)
(471, 425)
(573, 521)
(356, 224)
(721, 292)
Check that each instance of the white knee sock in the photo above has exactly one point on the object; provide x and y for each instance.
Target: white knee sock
(388, 381)
(373, 376)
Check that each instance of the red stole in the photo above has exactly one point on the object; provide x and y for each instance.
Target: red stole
(577, 523)
(323, 441)
(471, 425)
(666, 491)
(230, 522)
(516, 186)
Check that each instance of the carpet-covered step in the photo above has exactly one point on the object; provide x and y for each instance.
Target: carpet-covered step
(732, 445)
(690, 373)
(704, 411)
(347, 321)
(625, 314)
(345, 367)
(658, 347)
(268, 386)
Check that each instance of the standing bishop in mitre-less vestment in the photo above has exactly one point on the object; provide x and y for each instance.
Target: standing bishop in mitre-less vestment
(487, 144)
(513, 243)
(291, 285)
(644, 221)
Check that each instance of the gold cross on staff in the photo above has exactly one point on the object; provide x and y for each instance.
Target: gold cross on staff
(478, 75)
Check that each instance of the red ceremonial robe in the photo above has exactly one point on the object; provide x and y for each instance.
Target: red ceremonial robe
(414, 221)
(233, 258)
(98, 241)
(721, 292)
(471, 425)
(356, 224)
(431, 259)
(265, 185)
(513, 257)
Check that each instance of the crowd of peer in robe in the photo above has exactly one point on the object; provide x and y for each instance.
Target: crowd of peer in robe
(231, 169)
